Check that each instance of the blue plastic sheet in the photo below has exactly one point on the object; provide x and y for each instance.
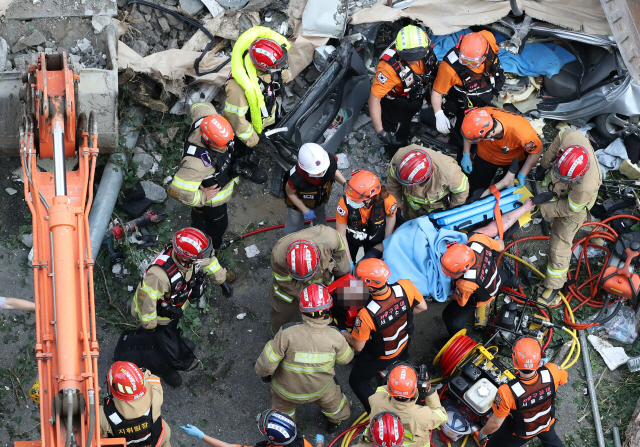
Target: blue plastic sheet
(413, 252)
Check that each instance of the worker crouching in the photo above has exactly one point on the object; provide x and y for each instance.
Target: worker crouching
(132, 408)
(299, 362)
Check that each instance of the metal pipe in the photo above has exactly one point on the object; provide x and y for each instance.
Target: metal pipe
(112, 178)
(616, 437)
(92, 417)
(69, 393)
(59, 169)
(595, 411)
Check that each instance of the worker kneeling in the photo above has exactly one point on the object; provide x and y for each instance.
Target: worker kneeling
(300, 360)
(400, 395)
(132, 408)
(527, 402)
(385, 430)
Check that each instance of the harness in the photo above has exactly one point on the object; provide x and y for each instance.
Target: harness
(535, 407)
(270, 91)
(373, 228)
(312, 195)
(138, 432)
(414, 85)
(484, 273)
(181, 289)
(478, 88)
(393, 321)
(221, 160)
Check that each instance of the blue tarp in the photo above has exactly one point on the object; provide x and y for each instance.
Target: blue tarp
(536, 58)
(413, 252)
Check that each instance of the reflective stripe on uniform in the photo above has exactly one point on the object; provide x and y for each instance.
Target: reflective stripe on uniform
(240, 111)
(153, 293)
(196, 198)
(212, 268)
(224, 192)
(462, 186)
(283, 296)
(314, 357)
(556, 273)
(346, 354)
(307, 369)
(300, 397)
(184, 185)
(577, 207)
(342, 402)
(442, 415)
(341, 244)
(281, 278)
(273, 357)
(244, 136)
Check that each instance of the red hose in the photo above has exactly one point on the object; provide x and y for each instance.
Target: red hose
(275, 227)
(358, 427)
(454, 353)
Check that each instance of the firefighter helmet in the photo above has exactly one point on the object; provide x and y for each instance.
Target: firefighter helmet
(572, 164)
(526, 353)
(363, 185)
(402, 381)
(456, 260)
(315, 297)
(476, 125)
(303, 258)
(386, 430)
(374, 272)
(267, 54)
(276, 427)
(216, 132)
(191, 244)
(474, 48)
(412, 43)
(415, 168)
(126, 381)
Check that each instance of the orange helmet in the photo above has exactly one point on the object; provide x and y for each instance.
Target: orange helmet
(526, 353)
(456, 260)
(126, 381)
(362, 186)
(374, 272)
(402, 381)
(216, 132)
(473, 49)
(476, 125)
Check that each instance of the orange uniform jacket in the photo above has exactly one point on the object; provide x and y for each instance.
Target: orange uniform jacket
(387, 79)
(465, 288)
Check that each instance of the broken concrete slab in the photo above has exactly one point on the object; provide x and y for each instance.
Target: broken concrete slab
(153, 192)
(191, 7)
(343, 161)
(32, 40)
(612, 356)
(100, 22)
(4, 51)
(233, 4)
(164, 24)
(214, 7)
(145, 161)
(27, 239)
(44, 9)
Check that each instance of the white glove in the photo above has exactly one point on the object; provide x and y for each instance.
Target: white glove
(442, 122)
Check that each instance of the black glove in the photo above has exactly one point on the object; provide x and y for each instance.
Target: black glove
(514, 168)
(542, 197)
(477, 195)
(540, 173)
(227, 289)
(386, 137)
(266, 379)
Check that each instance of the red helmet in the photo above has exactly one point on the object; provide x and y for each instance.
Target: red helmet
(414, 168)
(402, 381)
(526, 353)
(216, 132)
(315, 297)
(476, 125)
(456, 260)
(474, 48)
(362, 186)
(126, 381)
(374, 272)
(267, 54)
(191, 244)
(572, 164)
(303, 258)
(386, 430)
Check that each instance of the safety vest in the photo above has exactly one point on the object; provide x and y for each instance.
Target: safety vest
(479, 88)
(181, 289)
(534, 404)
(484, 273)
(414, 85)
(138, 432)
(393, 321)
(374, 226)
(312, 195)
(222, 160)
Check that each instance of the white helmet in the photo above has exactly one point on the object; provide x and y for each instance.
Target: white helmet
(313, 159)
(457, 426)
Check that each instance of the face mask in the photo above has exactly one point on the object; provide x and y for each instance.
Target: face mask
(318, 175)
(354, 204)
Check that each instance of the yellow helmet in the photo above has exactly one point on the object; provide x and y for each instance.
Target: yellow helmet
(412, 43)
(34, 392)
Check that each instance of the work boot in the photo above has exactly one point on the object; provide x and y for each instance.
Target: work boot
(172, 378)
(550, 297)
(332, 427)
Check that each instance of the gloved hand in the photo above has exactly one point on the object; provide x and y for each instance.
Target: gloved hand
(521, 179)
(352, 267)
(542, 197)
(227, 289)
(266, 379)
(540, 173)
(192, 430)
(319, 438)
(311, 215)
(442, 123)
(466, 164)
(386, 137)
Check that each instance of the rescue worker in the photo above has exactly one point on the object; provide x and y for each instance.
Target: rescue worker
(277, 428)
(527, 402)
(385, 430)
(422, 181)
(315, 254)
(175, 276)
(403, 78)
(299, 361)
(382, 330)
(132, 408)
(209, 172)
(400, 396)
(501, 136)
(366, 215)
(473, 69)
(258, 69)
(574, 178)
(309, 187)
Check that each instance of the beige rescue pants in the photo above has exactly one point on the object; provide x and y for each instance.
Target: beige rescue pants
(563, 230)
(281, 311)
(333, 404)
